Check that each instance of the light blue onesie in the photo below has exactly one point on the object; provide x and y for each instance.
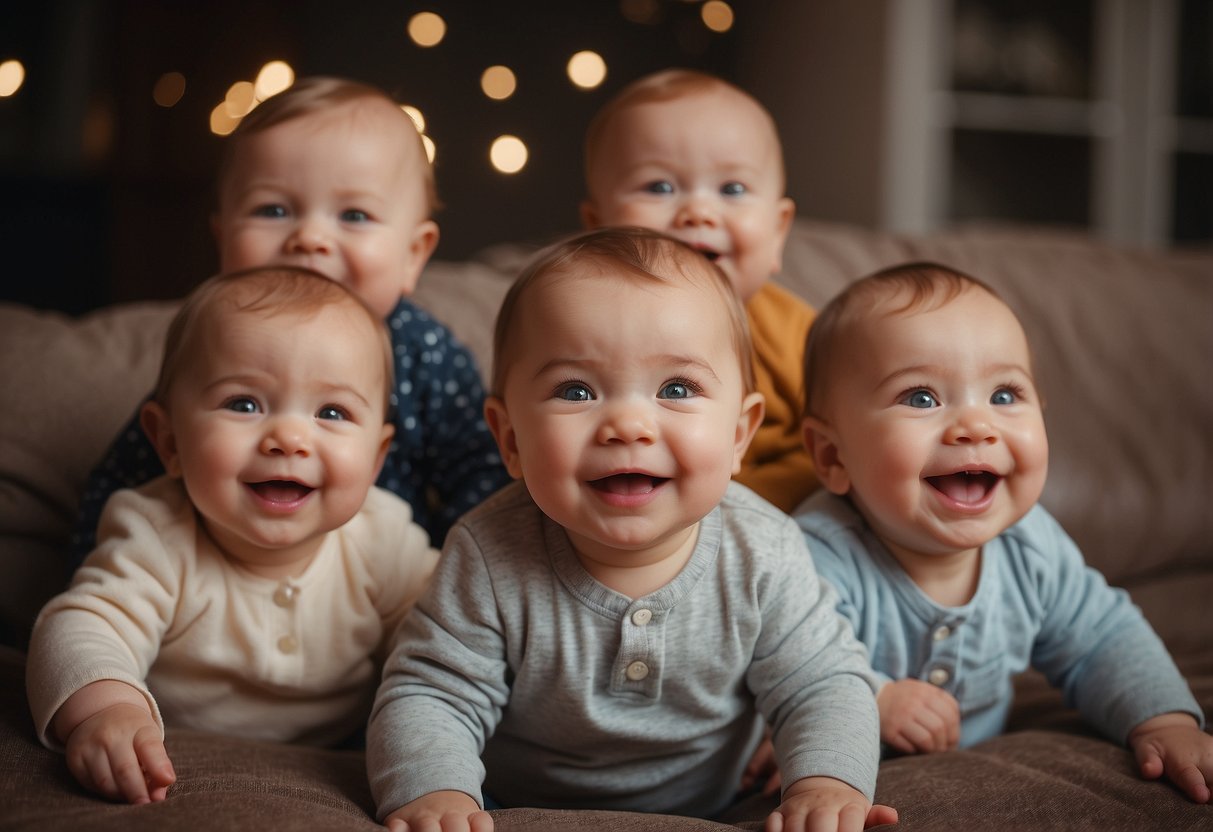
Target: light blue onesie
(1037, 604)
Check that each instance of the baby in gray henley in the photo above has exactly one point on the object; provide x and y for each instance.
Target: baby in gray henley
(613, 630)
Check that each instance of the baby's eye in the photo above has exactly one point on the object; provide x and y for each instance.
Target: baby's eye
(733, 189)
(661, 186)
(354, 215)
(919, 398)
(273, 211)
(1004, 395)
(332, 412)
(678, 390)
(242, 404)
(574, 391)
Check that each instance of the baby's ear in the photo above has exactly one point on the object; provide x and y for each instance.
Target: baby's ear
(589, 215)
(753, 408)
(785, 214)
(821, 441)
(498, 420)
(154, 420)
(422, 244)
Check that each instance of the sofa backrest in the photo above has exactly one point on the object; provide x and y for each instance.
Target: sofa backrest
(1123, 342)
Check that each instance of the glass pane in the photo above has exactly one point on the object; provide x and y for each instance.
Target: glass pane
(1023, 47)
(1192, 221)
(1020, 177)
(1196, 59)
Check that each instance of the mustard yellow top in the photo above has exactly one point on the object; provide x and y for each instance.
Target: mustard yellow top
(777, 466)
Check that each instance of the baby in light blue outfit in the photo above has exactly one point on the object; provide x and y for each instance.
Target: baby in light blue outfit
(926, 429)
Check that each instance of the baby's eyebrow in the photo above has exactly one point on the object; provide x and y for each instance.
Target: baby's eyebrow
(936, 370)
(673, 360)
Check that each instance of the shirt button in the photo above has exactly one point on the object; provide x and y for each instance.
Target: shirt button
(642, 617)
(941, 632)
(285, 595)
(288, 644)
(939, 676)
(637, 671)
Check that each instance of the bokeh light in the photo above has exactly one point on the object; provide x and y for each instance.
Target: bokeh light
(222, 122)
(498, 82)
(416, 115)
(587, 69)
(508, 154)
(431, 150)
(640, 11)
(169, 89)
(12, 76)
(272, 79)
(427, 29)
(239, 100)
(717, 15)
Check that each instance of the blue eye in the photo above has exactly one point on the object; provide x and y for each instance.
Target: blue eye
(677, 390)
(1004, 395)
(574, 392)
(355, 215)
(733, 189)
(659, 187)
(272, 211)
(241, 404)
(919, 398)
(332, 412)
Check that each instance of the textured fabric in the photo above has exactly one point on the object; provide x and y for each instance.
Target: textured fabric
(1037, 604)
(442, 460)
(776, 465)
(581, 697)
(222, 649)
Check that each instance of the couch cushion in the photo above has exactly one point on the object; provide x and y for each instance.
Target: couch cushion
(70, 384)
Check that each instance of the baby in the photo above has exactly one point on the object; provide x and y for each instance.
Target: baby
(252, 589)
(606, 632)
(698, 158)
(331, 175)
(926, 429)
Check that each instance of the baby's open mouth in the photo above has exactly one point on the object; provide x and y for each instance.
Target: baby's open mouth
(965, 486)
(628, 484)
(280, 491)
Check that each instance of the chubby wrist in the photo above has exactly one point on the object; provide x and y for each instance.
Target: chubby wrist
(91, 700)
(1173, 719)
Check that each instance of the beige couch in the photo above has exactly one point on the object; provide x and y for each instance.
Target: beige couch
(1124, 342)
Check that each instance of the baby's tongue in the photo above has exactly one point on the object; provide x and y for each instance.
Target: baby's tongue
(281, 491)
(964, 487)
(626, 484)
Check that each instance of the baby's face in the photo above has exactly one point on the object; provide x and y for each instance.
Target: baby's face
(938, 425)
(341, 192)
(278, 428)
(704, 168)
(623, 410)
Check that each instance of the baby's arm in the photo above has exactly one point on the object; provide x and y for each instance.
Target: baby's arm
(824, 804)
(445, 811)
(917, 717)
(1173, 744)
(130, 461)
(113, 744)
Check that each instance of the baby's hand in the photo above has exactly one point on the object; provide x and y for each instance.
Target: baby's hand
(823, 804)
(1173, 744)
(113, 745)
(118, 753)
(917, 717)
(445, 811)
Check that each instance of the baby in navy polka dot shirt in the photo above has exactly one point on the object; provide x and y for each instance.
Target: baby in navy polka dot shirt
(332, 175)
